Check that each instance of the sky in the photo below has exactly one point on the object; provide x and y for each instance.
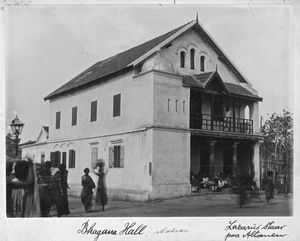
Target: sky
(46, 46)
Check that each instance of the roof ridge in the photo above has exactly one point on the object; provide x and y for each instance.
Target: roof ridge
(147, 45)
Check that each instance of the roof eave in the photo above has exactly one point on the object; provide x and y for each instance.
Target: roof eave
(162, 44)
(94, 82)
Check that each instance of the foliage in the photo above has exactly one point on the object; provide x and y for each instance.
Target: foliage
(10, 145)
(278, 131)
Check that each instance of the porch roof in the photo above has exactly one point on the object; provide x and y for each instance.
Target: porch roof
(227, 135)
(202, 81)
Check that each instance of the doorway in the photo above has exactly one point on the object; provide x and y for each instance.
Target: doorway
(204, 163)
(227, 163)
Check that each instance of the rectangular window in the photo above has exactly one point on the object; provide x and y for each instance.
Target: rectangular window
(116, 156)
(56, 159)
(94, 155)
(117, 105)
(176, 105)
(57, 123)
(42, 158)
(168, 105)
(183, 106)
(64, 158)
(93, 111)
(71, 158)
(74, 116)
(52, 158)
(150, 168)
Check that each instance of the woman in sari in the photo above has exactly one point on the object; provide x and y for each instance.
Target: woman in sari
(25, 173)
(101, 195)
(87, 190)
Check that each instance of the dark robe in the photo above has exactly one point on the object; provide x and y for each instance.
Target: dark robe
(87, 191)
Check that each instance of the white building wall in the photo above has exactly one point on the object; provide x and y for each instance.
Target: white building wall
(190, 40)
(136, 108)
(134, 176)
(171, 101)
(37, 151)
(171, 163)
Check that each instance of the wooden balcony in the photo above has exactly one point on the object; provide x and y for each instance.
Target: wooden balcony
(220, 123)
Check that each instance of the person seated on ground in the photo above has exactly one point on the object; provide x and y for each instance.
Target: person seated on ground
(215, 186)
(205, 181)
(221, 183)
(191, 176)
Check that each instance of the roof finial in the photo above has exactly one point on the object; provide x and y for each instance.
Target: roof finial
(197, 18)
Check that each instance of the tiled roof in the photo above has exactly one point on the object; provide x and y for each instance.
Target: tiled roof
(197, 80)
(239, 90)
(201, 81)
(112, 65)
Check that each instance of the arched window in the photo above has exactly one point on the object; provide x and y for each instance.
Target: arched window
(192, 58)
(202, 62)
(247, 112)
(182, 59)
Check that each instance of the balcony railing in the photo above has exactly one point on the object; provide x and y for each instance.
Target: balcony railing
(219, 123)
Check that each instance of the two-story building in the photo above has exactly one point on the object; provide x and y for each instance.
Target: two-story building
(156, 112)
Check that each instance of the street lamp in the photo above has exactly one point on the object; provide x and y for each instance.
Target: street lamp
(16, 127)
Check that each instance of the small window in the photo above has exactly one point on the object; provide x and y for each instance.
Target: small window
(150, 168)
(71, 158)
(168, 105)
(57, 123)
(192, 58)
(74, 116)
(182, 59)
(202, 63)
(183, 106)
(93, 111)
(176, 105)
(117, 105)
(116, 156)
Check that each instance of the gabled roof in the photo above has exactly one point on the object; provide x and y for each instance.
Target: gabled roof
(112, 65)
(44, 132)
(46, 129)
(203, 81)
(126, 60)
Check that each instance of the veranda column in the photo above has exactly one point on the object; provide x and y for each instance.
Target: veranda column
(234, 159)
(256, 162)
(212, 158)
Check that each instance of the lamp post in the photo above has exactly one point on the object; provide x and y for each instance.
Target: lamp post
(16, 127)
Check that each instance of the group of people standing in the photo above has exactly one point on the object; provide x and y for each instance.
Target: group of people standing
(32, 189)
(53, 189)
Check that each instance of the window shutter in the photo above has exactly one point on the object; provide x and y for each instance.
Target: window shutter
(121, 156)
(74, 159)
(74, 116)
(57, 125)
(110, 158)
(94, 111)
(94, 156)
(70, 158)
(117, 105)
